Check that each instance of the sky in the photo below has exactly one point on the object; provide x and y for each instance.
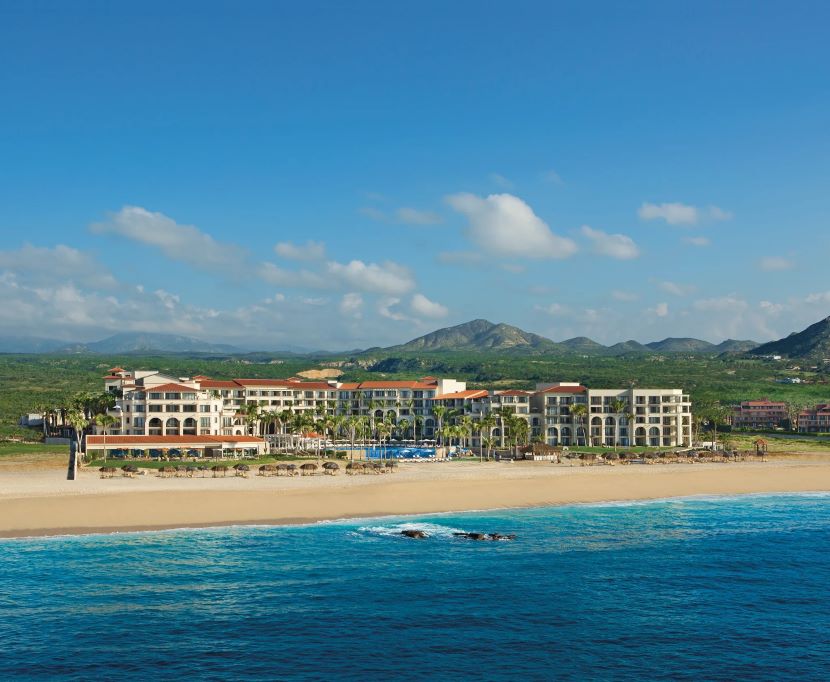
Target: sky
(329, 175)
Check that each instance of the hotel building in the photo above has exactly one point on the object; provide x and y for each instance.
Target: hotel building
(150, 403)
(763, 414)
(815, 419)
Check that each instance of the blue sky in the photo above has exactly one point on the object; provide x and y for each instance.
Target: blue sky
(339, 175)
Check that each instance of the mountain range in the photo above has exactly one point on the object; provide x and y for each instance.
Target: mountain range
(483, 335)
(478, 336)
(812, 343)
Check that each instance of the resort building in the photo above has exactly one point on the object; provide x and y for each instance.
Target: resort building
(152, 404)
(815, 419)
(763, 414)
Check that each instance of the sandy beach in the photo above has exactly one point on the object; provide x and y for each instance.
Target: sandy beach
(41, 502)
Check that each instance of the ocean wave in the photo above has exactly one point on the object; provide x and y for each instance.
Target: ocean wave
(433, 530)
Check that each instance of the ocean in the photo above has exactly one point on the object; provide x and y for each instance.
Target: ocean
(683, 589)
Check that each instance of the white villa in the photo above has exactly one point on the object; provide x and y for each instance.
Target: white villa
(152, 404)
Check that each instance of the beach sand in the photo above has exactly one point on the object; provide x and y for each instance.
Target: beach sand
(36, 501)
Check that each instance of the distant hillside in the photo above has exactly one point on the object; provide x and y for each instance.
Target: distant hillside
(812, 343)
(583, 345)
(480, 335)
(29, 344)
(129, 342)
(627, 347)
(735, 346)
(681, 345)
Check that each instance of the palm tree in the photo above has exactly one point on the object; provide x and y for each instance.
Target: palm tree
(488, 442)
(503, 414)
(487, 424)
(403, 427)
(579, 411)
(78, 421)
(439, 411)
(105, 421)
(417, 420)
(250, 413)
(617, 407)
(629, 417)
(466, 425)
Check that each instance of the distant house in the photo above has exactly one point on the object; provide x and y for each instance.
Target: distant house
(31, 419)
(760, 415)
(815, 420)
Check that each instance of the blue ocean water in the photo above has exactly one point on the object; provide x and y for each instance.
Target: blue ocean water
(686, 589)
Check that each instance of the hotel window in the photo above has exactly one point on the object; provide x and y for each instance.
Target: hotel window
(204, 422)
(172, 396)
(188, 396)
(155, 396)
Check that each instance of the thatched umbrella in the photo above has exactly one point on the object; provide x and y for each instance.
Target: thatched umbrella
(331, 467)
(292, 469)
(189, 471)
(266, 470)
(308, 468)
(354, 468)
(129, 470)
(391, 465)
(242, 470)
(282, 468)
(216, 468)
(379, 467)
(107, 472)
(181, 471)
(202, 468)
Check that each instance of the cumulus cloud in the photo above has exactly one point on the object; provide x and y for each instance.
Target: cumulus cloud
(619, 295)
(771, 308)
(385, 278)
(412, 216)
(676, 213)
(504, 225)
(299, 279)
(820, 297)
(311, 250)
(617, 246)
(676, 289)
(59, 263)
(184, 243)
(423, 307)
(775, 263)
(351, 305)
(385, 309)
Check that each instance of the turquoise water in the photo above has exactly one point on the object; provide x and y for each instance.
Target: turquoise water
(716, 589)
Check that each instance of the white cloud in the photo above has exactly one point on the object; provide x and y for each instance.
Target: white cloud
(506, 226)
(716, 213)
(729, 304)
(617, 246)
(775, 263)
(675, 213)
(351, 305)
(59, 263)
(672, 213)
(311, 250)
(386, 278)
(660, 310)
(301, 279)
(412, 216)
(771, 308)
(821, 297)
(184, 243)
(619, 295)
(422, 306)
(676, 289)
(385, 306)
(697, 241)
(553, 309)
(501, 181)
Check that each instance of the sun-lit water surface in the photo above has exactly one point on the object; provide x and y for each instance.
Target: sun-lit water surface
(721, 588)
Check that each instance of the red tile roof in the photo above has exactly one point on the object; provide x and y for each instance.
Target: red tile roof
(265, 382)
(112, 377)
(178, 388)
(116, 369)
(170, 440)
(563, 389)
(216, 383)
(462, 395)
(513, 391)
(397, 384)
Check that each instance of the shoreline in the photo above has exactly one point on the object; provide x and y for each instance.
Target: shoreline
(43, 505)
